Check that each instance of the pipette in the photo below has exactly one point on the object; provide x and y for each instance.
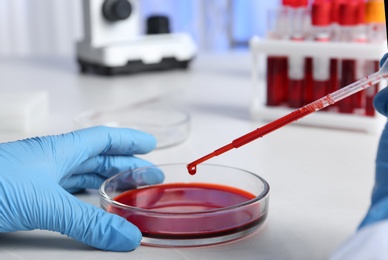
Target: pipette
(314, 106)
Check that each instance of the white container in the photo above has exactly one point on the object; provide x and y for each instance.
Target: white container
(23, 111)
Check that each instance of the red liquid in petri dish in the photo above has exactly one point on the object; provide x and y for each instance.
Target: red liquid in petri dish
(173, 211)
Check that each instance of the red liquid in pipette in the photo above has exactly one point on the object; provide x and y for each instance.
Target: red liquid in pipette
(260, 132)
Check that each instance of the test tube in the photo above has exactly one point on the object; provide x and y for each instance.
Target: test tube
(376, 33)
(335, 14)
(358, 99)
(321, 22)
(335, 37)
(277, 78)
(348, 29)
(296, 63)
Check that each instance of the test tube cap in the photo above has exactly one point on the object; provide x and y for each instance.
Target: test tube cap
(348, 13)
(321, 13)
(335, 7)
(374, 12)
(299, 3)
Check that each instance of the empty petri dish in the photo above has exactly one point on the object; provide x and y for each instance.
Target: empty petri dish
(170, 126)
(217, 205)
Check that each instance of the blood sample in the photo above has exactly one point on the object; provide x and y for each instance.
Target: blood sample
(348, 22)
(348, 75)
(277, 78)
(309, 82)
(295, 93)
(297, 68)
(186, 198)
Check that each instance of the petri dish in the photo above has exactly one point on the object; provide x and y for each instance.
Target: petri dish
(170, 126)
(217, 205)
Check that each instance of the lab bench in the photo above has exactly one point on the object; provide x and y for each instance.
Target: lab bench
(320, 179)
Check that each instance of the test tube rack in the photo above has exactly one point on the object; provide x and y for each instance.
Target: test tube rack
(261, 48)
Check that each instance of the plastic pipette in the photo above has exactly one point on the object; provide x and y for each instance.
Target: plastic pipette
(317, 105)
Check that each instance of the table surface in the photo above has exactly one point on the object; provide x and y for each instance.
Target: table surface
(320, 179)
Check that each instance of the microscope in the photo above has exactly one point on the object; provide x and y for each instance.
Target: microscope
(113, 43)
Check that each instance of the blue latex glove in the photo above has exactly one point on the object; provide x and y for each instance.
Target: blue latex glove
(35, 173)
(379, 205)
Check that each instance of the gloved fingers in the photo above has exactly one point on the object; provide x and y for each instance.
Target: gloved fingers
(90, 142)
(72, 149)
(380, 101)
(89, 224)
(79, 182)
(383, 59)
(114, 141)
(129, 180)
(107, 166)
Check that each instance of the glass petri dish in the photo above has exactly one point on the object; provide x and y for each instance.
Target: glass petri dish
(217, 205)
(169, 126)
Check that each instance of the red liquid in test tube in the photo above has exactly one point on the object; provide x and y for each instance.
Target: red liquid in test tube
(348, 75)
(277, 78)
(296, 90)
(309, 81)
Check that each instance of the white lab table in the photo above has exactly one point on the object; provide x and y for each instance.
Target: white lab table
(320, 179)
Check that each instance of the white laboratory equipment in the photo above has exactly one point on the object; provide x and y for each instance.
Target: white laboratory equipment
(355, 122)
(113, 42)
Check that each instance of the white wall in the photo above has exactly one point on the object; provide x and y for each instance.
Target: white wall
(51, 27)
(39, 27)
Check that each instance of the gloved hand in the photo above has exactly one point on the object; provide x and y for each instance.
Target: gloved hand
(379, 205)
(35, 173)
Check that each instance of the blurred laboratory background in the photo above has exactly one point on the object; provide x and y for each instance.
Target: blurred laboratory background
(51, 27)
(241, 64)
